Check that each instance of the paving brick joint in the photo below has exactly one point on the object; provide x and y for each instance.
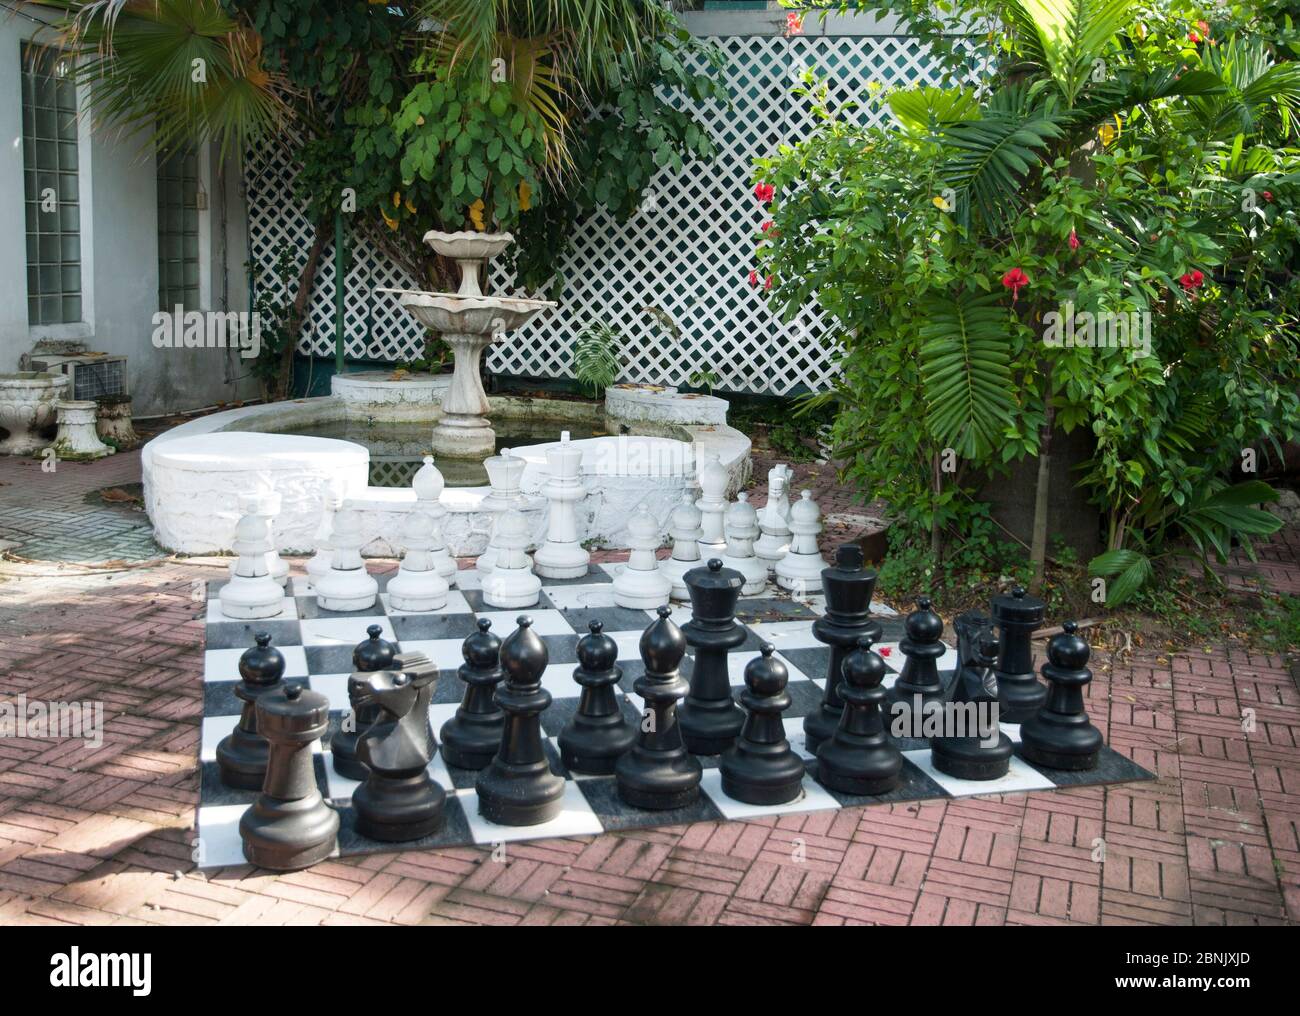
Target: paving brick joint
(102, 835)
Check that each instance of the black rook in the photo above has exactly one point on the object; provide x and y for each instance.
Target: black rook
(1018, 616)
(290, 826)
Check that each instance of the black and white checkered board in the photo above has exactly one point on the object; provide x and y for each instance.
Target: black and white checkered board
(317, 646)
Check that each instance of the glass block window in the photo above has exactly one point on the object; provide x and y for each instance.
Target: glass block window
(178, 230)
(51, 189)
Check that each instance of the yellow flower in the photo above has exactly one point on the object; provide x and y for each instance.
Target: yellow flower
(476, 215)
(525, 196)
(397, 198)
(392, 223)
(410, 205)
(940, 203)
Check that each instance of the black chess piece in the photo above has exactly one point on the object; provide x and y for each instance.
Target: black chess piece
(1061, 736)
(399, 801)
(289, 826)
(761, 767)
(709, 718)
(242, 754)
(518, 788)
(972, 745)
(860, 757)
(371, 653)
(598, 733)
(471, 738)
(919, 683)
(848, 585)
(658, 773)
(1018, 616)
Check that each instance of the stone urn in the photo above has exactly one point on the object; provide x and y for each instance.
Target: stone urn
(78, 438)
(27, 402)
(114, 422)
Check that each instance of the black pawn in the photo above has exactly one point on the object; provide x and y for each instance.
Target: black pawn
(848, 585)
(1018, 616)
(242, 754)
(709, 718)
(592, 741)
(761, 768)
(399, 801)
(1061, 736)
(518, 788)
(972, 746)
(289, 826)
(659, 773)
(860, 758)
(372, 653)
(919, 682)
(470, 739)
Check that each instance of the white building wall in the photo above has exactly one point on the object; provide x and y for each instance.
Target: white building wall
(119, 231)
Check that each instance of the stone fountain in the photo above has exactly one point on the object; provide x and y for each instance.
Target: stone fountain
(467, 321)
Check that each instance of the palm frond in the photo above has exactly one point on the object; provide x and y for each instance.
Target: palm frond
(991, 158)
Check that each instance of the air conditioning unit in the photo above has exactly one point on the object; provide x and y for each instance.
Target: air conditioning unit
(93, 374)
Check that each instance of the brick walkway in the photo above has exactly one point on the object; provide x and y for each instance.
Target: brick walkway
(102, 835)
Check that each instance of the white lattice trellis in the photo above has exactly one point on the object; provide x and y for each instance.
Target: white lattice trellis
(687, 252)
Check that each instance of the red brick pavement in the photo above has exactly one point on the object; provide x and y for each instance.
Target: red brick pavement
(102, 835)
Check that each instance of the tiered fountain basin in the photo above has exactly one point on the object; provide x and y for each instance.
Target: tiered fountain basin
(253, 449)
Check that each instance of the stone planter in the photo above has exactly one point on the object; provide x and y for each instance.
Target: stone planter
(27, 401)
(114, 423)
(78, 440)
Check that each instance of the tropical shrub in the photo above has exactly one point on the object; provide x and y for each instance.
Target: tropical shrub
(1120, 166)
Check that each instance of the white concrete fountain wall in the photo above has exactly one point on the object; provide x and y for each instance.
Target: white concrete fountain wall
(195, 473)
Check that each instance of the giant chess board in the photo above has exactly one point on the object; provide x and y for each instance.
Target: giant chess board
(317, 646)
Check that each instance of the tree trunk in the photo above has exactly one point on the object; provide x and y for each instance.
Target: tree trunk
(1038, 540)
(936, 533)
(298, 314)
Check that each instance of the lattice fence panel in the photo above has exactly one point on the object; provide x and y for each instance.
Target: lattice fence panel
(686, 253)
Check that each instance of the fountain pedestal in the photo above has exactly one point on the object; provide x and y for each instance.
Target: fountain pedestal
(467, 321)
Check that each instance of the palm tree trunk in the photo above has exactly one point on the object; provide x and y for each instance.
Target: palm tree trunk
(1038, 539)
(936, 533)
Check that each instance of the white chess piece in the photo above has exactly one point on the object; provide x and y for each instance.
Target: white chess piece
(774, 543)
(787, 481)
(504, 473)
(267, 506)
(428, 485)
(417, 585)
(640, 584)
(684, 528)
(318, 565)
(713, 506)
(512, 583)
(251, 592)
(742, 528)
(348, 586)
(561, 556)
(801, 569)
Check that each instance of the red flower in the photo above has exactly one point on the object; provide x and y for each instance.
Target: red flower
(767, 283)
(1268, 195)
(764, 192)
(1015, 280)
(1204, 26)
(753, 277)
(1191, 281)
(1193, 36)
(1074, 240)
(766, 226)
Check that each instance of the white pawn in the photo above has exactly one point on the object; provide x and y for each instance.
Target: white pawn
(640, 584)
(713, 506)
(487, 560)
(251, 592)
(774, 543)
(267, 506)
(428, 484)
(318, 565)
(417, 585)
(347, 586)
(562, 556)
(742, 528)
(684, 528)
(782, 496)
(512, 582)
(801, 569)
